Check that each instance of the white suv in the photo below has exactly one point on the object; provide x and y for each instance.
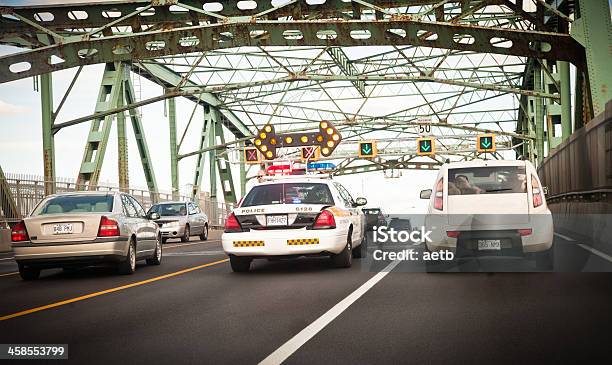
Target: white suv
(295, 216)
(481, 208)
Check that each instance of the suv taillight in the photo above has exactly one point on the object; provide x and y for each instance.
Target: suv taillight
(19, 233)
(232, 224)
(325, 220)
(536, 192)
(108, 227)
(439, 195)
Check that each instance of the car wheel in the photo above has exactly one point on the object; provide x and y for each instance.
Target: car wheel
(164, 240)
(362, 250)
(128, 266)
(157, 256)
(345, 258)
(240, 264)
(186, 235)
(545, 259)
(28, 273)
(204, 235)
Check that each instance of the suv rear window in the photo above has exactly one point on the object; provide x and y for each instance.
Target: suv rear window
(487, 180)
(289, 193)
(76, 204)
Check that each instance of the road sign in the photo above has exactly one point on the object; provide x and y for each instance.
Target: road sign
(426, 146)
(367, 149)
(485, 143)
(310, 153)
(251, 156)
(327, 138)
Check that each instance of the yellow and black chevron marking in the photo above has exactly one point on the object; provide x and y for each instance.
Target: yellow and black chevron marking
(248, 243)
(303, 241)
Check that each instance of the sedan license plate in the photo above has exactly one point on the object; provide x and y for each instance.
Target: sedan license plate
(64, 228)
(489, 244)
(276, 220)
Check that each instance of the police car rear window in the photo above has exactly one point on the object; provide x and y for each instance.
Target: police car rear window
(289, 193)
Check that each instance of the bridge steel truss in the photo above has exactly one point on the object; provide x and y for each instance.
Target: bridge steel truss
(447, 68)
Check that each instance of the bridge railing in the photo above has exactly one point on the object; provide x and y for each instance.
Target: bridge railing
(28, 190)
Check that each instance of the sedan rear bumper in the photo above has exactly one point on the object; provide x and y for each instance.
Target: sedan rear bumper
(49, 254)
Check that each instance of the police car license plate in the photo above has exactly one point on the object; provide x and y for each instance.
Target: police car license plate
(276, 220)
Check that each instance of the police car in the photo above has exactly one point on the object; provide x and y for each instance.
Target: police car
(292, 216)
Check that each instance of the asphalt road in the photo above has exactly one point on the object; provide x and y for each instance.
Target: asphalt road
(193, 309)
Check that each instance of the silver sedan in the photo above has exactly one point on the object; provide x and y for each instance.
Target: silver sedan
(180, 220)
(85, 228)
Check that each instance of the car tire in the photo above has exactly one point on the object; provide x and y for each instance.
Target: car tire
(28, 273)
(545, 259)
(128, 266)
(204, 235)
(157, 255)
(362, 250)
(186, 234)
(345, 258)
(164, 240)
(240, 264)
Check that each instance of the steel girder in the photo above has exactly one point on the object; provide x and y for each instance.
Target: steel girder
(150, 44)
(161, 74)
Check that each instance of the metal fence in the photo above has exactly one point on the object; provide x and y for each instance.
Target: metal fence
(28, 190)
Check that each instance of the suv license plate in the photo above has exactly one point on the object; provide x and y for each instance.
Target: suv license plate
(276, 220)
(489, 244)
(65, 228)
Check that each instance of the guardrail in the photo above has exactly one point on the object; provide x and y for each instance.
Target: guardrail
(28, 192)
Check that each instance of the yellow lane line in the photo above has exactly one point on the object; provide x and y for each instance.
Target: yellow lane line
(108, 291)
(10, 273)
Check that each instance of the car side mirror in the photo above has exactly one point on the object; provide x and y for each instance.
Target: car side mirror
(154, 216)
(361, 201)
(425, 194)
(545, 190)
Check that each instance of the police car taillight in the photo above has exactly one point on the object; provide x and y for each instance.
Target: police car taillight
(232, 224)
(325, 220)
(439, 195)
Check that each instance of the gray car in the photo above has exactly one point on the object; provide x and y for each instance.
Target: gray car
(85, 228)
(180, 220)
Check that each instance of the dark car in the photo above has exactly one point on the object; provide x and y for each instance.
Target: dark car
(374, 218)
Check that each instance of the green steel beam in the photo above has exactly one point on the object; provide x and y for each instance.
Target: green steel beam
(566, 99)
(48, 139)
(345, 65)
(327, 32)
(201, 158)
(97, 139)
(593, 30)
(168, 78)
(122, 149)
(174, 176)
(538, 115)
(223, 166)
(212, 155)
(8, 206)
(141, 142)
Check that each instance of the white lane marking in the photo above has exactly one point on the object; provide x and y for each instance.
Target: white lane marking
(587, 247)
(596, 252)
(8, 258)
(288, 348)
(565, 237)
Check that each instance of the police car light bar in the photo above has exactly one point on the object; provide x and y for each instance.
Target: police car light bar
(293, 177)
